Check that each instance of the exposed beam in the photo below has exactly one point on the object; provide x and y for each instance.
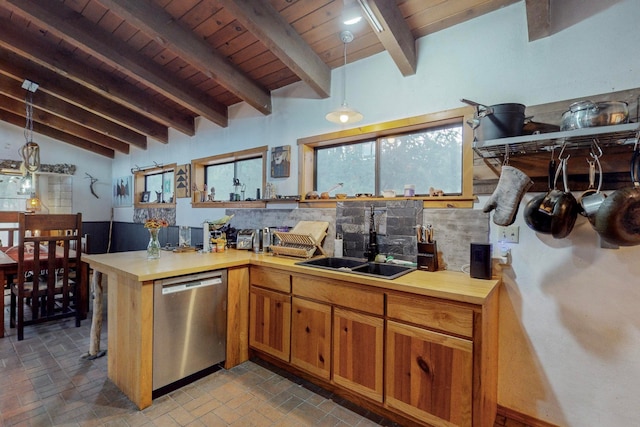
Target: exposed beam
(264, 22)
(73, 28)
(48, 119)
(99, 82)
(395, 36)
(155, 21)
(58, 135)
(18, 68)
(45, 102)
(538, 19)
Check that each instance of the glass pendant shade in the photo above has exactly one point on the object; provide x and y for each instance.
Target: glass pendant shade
(344, 114)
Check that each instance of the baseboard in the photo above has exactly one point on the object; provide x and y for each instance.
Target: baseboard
(523, 418)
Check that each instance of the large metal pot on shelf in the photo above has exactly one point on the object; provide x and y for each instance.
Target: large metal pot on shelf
(586, 114)
(496, 121)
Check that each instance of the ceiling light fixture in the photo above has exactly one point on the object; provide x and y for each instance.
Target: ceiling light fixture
(371, 17)
(30, 151)
(345, 114)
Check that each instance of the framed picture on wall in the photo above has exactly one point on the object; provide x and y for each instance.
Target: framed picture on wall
(123, 191)
(183, 181)
(280, 161)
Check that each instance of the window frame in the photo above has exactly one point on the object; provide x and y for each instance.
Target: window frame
(307, 146)
(198, 172)
(139, 186)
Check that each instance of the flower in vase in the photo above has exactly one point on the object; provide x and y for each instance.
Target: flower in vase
(156, 223)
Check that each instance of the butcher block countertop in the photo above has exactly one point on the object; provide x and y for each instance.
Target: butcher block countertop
(456, 286)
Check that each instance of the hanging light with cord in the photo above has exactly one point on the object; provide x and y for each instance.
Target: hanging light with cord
(345, 114)
(30, 151)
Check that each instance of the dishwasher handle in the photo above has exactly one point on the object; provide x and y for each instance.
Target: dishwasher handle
(187, 286)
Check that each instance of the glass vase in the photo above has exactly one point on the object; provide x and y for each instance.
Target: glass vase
(153, 248)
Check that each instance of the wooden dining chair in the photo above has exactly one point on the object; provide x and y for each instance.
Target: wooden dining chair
(46, 263)
(8, 237)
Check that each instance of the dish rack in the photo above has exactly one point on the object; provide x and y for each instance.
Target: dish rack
(303, 241)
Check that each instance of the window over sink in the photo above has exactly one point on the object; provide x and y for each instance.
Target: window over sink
(432, 152)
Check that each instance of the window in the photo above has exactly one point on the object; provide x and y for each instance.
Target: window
(159, 186)
(242, 178)
(155, 185)
(233, 176)
(429, 158)
(430, 152)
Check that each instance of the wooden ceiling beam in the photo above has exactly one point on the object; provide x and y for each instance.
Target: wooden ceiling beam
(264, 22)
(538, 19)
(46, 102)
(58, 135)
(73, 28)
(48, 119)
(395, 36)
(64, 89)
(169, 33)
(97, 81)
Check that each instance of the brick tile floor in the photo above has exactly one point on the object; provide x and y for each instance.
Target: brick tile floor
(44, 381)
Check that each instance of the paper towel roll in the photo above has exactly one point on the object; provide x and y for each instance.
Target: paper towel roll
(337, 248)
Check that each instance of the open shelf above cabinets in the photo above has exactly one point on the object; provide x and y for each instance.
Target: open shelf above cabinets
(606, 136)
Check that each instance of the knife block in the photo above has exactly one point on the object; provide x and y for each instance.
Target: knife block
(428, 256)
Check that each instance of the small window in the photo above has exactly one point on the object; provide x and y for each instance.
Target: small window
(242, 177)
(159, 186)
(233, 177)
(154, 186)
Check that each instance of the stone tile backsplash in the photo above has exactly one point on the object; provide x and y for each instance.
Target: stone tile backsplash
(395, 221)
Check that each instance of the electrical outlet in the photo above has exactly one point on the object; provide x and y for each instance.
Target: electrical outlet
(510, 234)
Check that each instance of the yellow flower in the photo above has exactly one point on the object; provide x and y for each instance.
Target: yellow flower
(155, 223)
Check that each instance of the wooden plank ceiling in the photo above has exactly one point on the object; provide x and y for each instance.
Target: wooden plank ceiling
(116, 74)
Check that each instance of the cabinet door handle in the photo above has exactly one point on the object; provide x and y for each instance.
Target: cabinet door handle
(422, 364)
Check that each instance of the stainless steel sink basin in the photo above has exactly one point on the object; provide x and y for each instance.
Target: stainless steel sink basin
(388, 271)
(359, 266)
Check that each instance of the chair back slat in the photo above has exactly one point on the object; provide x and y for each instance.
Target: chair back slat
(9, 227)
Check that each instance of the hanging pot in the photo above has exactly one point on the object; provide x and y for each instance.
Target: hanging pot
(561, 206)
(497, 121)
(537, 220)
(557, 212)
(618, 217)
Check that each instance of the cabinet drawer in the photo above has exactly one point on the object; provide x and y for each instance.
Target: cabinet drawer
(333, 292)
(431, 313)
(271, 279)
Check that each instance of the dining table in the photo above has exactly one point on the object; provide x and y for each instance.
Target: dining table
(9, 268)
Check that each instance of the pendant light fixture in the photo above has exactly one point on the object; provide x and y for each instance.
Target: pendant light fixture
(30, 151)
(345, 114)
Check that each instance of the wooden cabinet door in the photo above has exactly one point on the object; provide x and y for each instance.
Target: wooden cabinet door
(429, 375)
(311, 337)
(270, 322)
(358, 352)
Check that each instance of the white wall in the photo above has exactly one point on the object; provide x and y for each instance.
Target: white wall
(569, 320)
(54, 152)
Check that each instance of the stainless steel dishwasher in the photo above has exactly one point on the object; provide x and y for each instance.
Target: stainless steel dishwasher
(189, 325)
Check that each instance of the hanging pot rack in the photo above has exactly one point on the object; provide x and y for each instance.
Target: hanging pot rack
(607, 136)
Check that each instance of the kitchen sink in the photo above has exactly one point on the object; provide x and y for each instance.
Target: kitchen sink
(359, 266)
